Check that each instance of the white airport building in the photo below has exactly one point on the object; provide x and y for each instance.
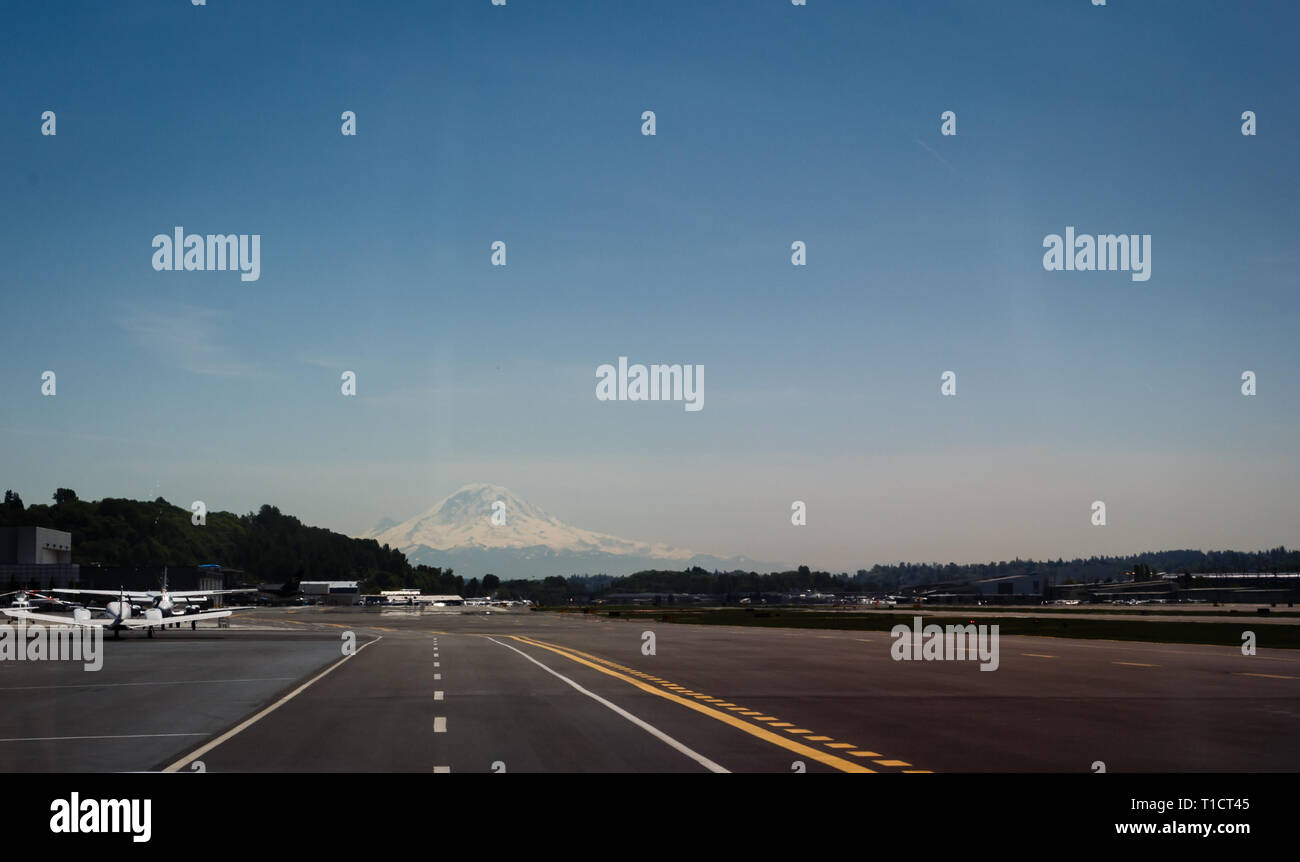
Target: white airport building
(38, 556)
(332, 592)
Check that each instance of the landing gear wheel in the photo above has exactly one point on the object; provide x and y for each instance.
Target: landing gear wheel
(150, 631)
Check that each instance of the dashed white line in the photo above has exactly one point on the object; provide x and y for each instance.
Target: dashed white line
(440, 724)
(437, 695)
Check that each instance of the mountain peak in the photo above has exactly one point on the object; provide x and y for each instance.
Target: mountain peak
(521, 540)
(484, 515)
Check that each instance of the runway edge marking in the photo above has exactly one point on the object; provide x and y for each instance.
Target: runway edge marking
(249, 722)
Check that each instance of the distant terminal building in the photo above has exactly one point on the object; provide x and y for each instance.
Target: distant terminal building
(1012, 585)
(654, 598)
(35, 557)
(332, 592)
(411, 598)
(1033, 588)
(1007, 589)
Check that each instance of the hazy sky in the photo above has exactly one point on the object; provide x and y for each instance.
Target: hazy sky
(774, 124)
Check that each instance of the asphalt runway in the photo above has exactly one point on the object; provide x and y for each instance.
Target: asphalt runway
(151, 699)
(543, 692)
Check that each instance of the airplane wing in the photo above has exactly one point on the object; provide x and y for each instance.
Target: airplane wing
(198, 594)
(64, 621)
(190, 616)
(147, 620)
(130, 594)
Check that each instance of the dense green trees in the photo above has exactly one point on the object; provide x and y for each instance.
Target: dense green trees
(269, 545)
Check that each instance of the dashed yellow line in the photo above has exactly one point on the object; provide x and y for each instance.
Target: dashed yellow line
(1039, 655)
(740, 724)
(740, 710)
(1266, 675)
(1134, 664)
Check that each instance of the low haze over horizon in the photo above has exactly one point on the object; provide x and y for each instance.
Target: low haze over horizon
(819, 124)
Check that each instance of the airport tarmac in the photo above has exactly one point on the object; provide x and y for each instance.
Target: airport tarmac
(540, 692)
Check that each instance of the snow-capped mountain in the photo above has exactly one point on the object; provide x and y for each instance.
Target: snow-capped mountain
(486, 528)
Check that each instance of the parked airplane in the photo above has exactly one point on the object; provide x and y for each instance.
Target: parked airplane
(164, 608)
(32, 600)
(170, 603)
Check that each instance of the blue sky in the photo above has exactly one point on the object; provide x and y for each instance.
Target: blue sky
(775, 123)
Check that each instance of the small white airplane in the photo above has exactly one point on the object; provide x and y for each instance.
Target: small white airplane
(33, 600)
(164, 608)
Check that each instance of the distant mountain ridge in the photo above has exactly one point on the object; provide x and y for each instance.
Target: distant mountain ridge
(528, 542)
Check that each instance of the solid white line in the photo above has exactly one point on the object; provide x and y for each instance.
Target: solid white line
(440, 725)
(124, 736)
(647, 727)
(247, 723)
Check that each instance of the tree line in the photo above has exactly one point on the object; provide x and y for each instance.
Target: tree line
(272, 547)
